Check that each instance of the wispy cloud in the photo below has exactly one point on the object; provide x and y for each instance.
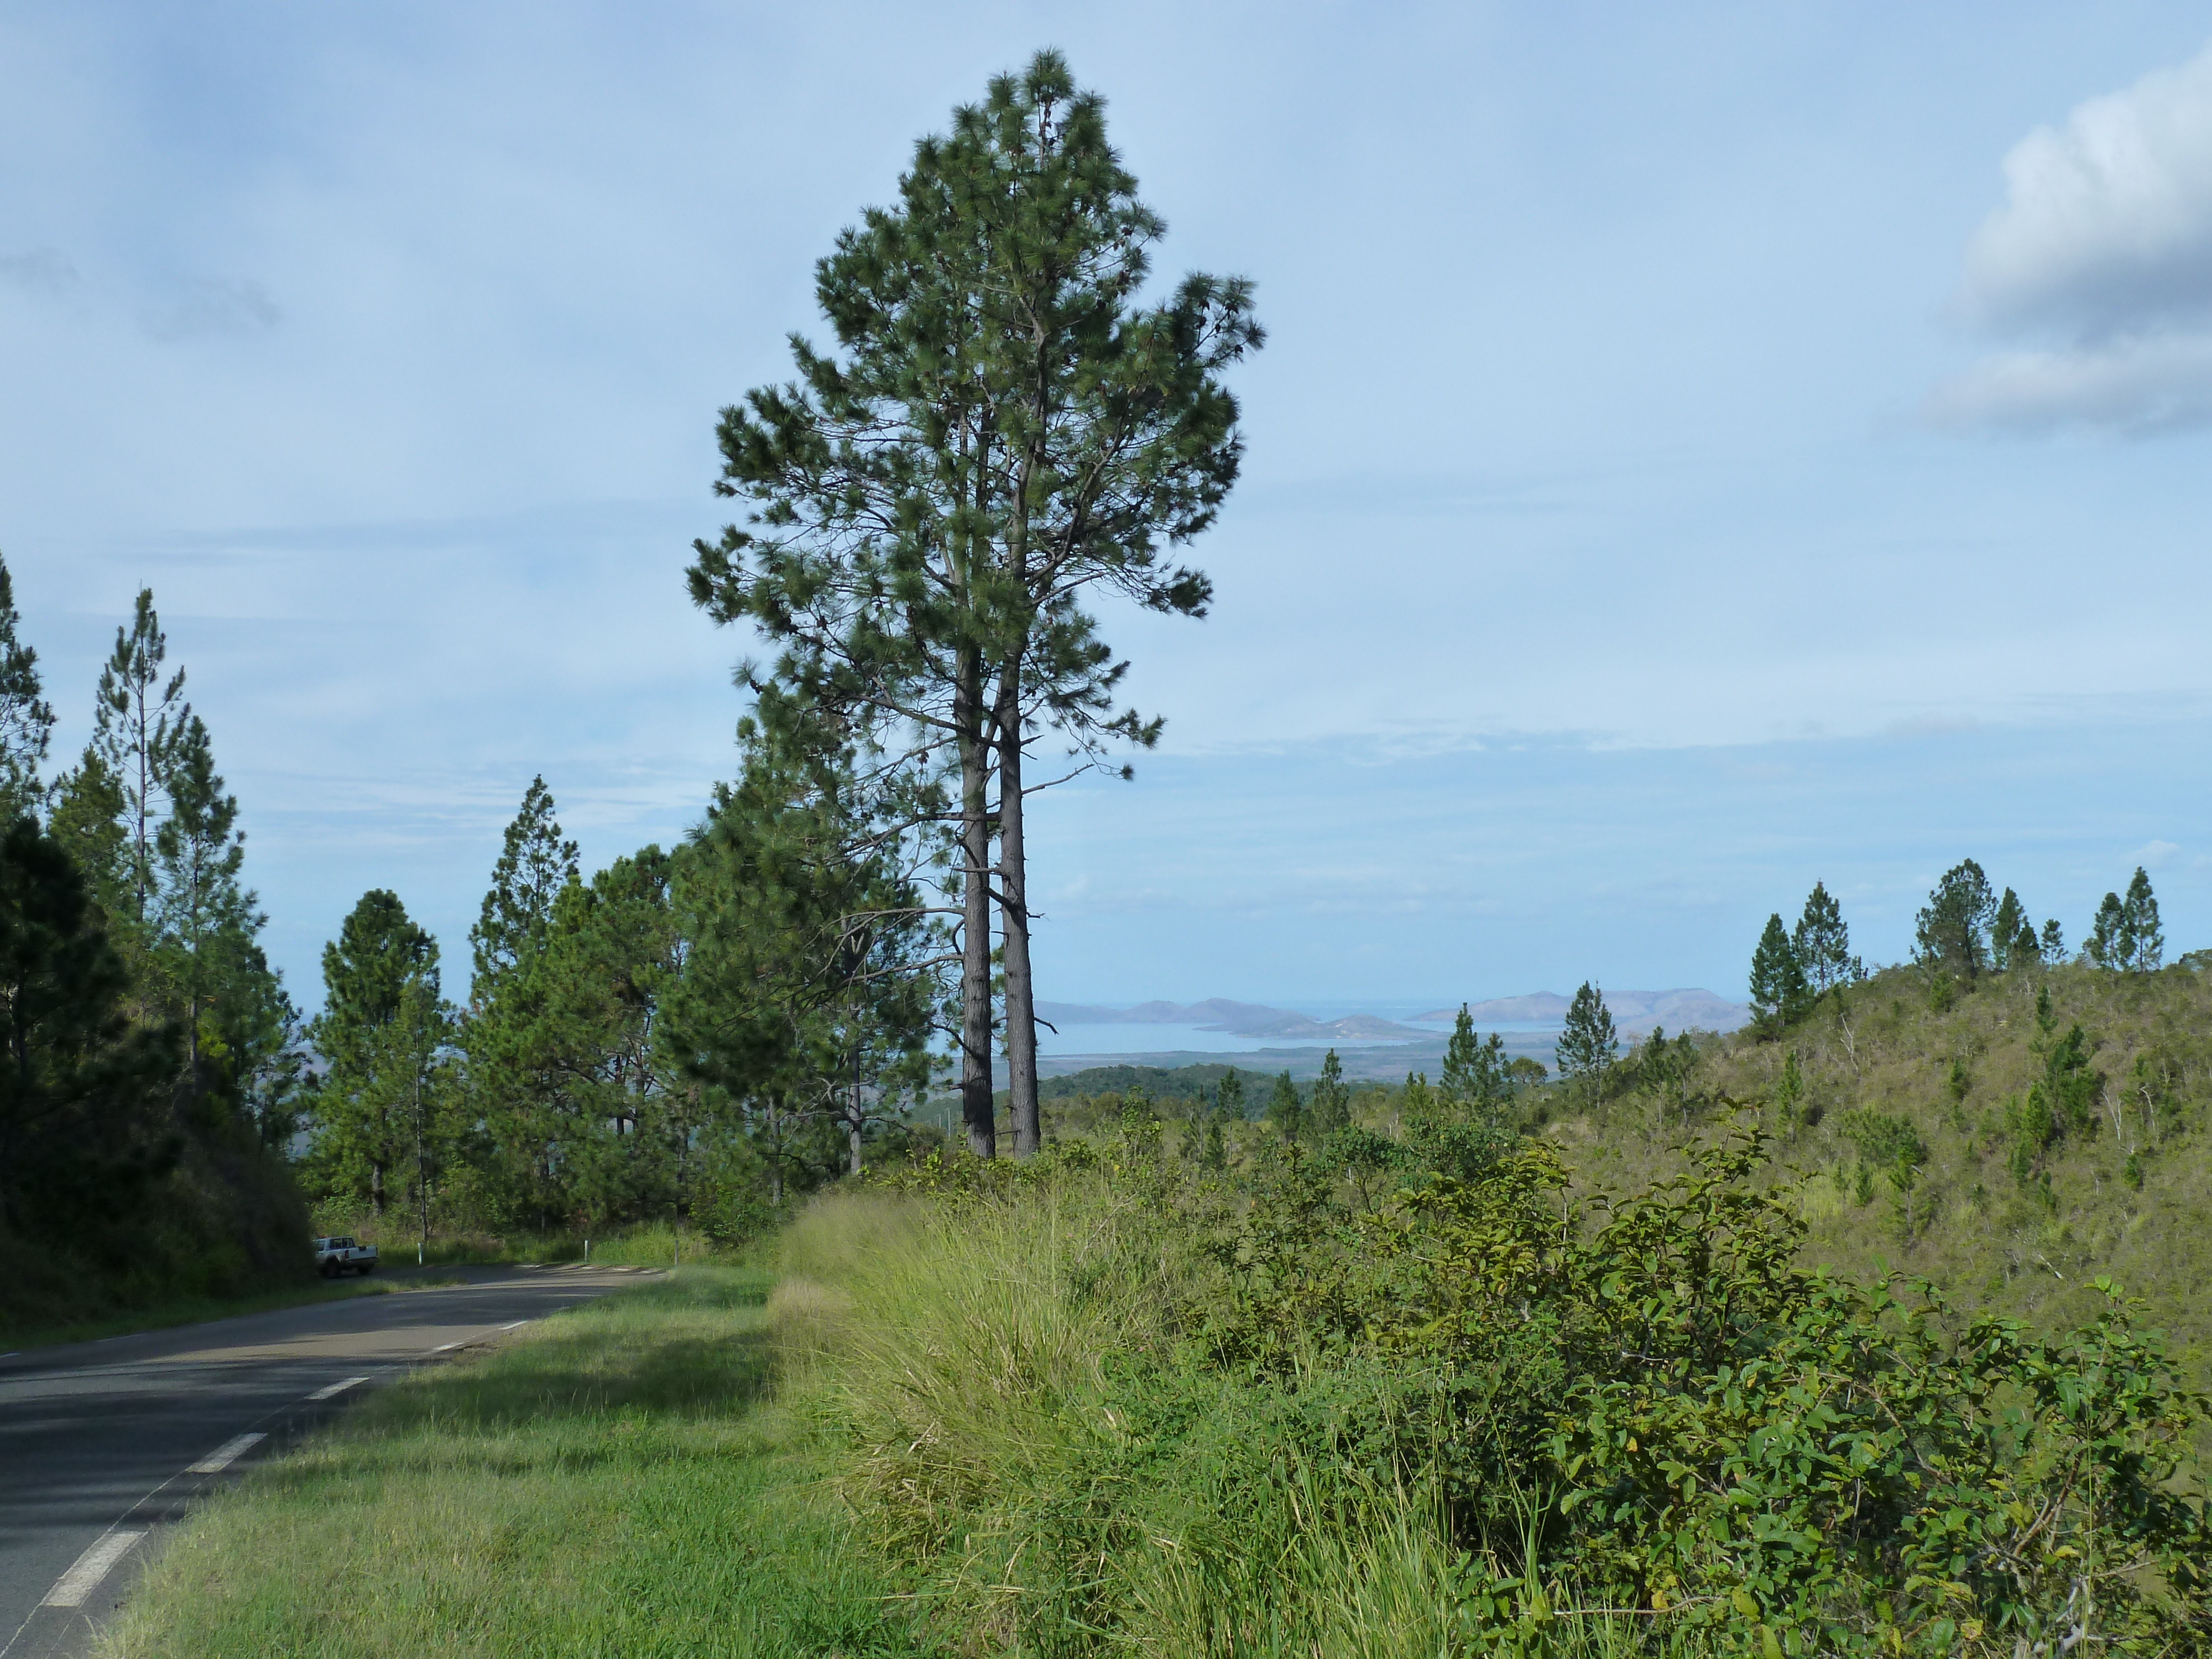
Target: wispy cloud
(42, 272)
(2097, 270)
(214, 306)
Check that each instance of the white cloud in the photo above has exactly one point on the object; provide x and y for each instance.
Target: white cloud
(2099, 265)
(2156, 856)
(2138, 383)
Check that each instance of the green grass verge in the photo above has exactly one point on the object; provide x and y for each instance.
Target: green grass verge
(615, 1482)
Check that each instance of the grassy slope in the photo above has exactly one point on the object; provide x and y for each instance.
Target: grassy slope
(610, 1485)
(1981, 1236)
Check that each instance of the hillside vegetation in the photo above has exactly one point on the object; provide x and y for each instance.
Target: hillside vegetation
(1961, 1134)
(1642, 1363)
(2117, 1183)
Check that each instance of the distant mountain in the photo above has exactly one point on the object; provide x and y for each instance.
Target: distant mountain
(1634, 1011)
(1245, 1019)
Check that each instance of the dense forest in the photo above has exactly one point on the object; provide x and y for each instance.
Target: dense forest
(155, 1076)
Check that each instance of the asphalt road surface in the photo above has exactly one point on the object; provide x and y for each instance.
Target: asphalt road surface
(105, 1445)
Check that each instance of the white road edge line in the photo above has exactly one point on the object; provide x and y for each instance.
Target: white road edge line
(445, 1347)
(337, 1389)
(227, 1454)
(73, 1586)
(517, 1326)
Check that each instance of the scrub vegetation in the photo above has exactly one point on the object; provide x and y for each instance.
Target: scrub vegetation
(1477, 1366)
(1108, 1399)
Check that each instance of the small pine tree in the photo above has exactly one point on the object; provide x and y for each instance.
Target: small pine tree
(1779, 991)
(2112, 943)
(1462, 1059)
(1588, 1044)
(1823, 944)
(2027, 950)
(1790, 1092)
(1476, 1073)
(2146, 939)
(1228, 1097)
(1285, 1109)
(2053, 943)
(1331, 1109)
(1952, 931)
(2004, 930)
(1213, 1155)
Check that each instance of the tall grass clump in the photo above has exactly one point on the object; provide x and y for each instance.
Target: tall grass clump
(1114, 1400)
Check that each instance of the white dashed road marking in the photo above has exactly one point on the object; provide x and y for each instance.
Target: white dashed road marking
(227, 1454)
(71, 1588)
(337, 1389)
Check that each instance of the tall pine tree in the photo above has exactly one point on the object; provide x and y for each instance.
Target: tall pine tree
(1008, 430)
(205, 915)
(535, 863)
(138, 717)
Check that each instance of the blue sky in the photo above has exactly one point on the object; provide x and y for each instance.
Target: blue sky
(1697, 451)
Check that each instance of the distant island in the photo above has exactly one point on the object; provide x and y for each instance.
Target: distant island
(1244, 1019)
(1635, 1012)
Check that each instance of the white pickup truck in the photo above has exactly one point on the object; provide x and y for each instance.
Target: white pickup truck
(342, 1256)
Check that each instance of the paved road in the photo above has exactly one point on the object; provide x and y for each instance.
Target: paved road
(104, 1445)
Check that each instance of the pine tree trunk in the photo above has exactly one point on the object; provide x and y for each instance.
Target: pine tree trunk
(856, 1122)
(1014, 921)
(975, 1104)
(376, 1189)
(775, 1152)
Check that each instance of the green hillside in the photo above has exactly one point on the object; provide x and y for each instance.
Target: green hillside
(2121, 1189)
(1998, 1210)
